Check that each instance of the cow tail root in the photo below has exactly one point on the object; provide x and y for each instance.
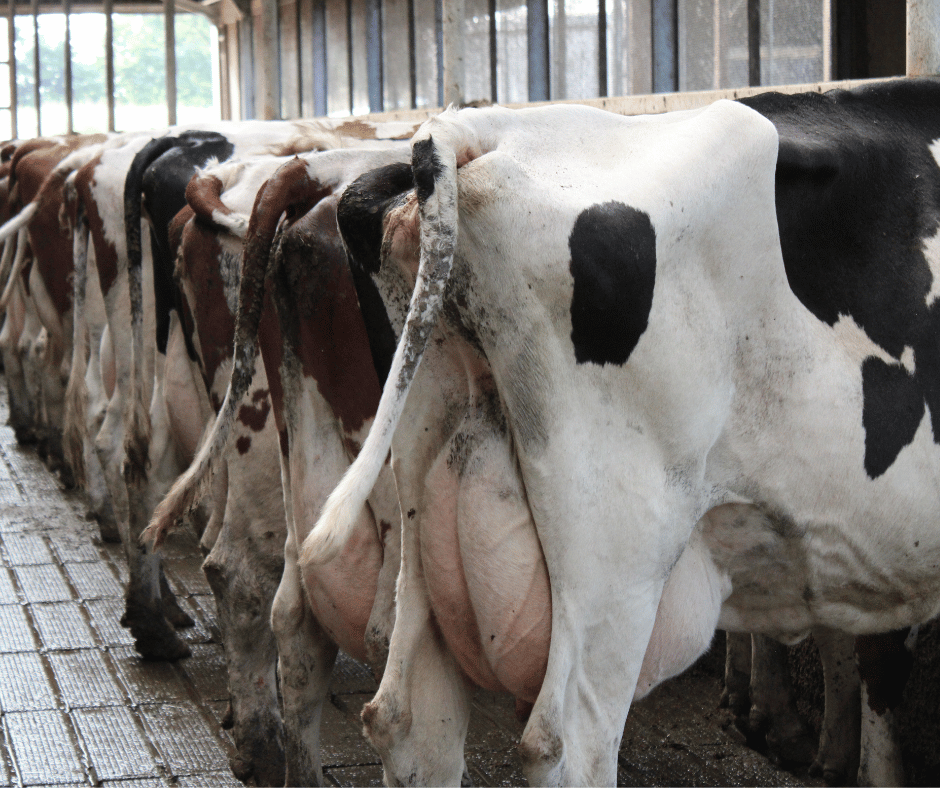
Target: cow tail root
(434, 167)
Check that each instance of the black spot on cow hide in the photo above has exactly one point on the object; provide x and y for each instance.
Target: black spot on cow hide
(613, 264)
(894, 407)
(857, 194)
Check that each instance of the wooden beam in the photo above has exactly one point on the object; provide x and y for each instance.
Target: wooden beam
(923, 37)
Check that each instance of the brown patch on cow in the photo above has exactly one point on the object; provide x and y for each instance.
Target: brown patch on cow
(33, 168)
(297, 145)
(198, 267)
(884, 664)
(243, 444)
(320, 316)
(204, 196)
(358, 129)
(254, 416)
(177, 224)
(270, 344)
(353, 447)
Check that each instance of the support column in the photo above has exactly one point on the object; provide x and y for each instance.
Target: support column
(11, 43)
(169, 26)
(34, 8)
(665, 37)
(753, 43)
(109, 59)
(453, 25)
(67, 11)
(923, 37)
(267, 60)
(539, 66)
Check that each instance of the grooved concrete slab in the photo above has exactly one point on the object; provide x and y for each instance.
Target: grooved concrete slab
(78, 546)
(25, 549)
(147, 682)
(8, 595)
(207, 671)
(43, 749)
(17, 633)
(61, 625)
(24, 683)
(94, 580)
(183, 738)
(86, 678)
(115, 743)
(42, 583)
(105, 617)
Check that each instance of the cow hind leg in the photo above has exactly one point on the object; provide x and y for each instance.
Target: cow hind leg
(884, 665)
(773, 715)
(736, 694)
(243, 581)
(838, 754)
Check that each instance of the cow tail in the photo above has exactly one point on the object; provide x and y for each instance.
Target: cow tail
(19, 263)
(13, 225)
(290, 189)
(434, 166)
(137, 428)
(75, 426)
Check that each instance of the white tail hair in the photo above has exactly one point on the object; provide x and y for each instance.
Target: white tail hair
(435, 173)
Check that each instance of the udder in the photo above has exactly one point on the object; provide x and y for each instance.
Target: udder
(485, 573)
(342, 592)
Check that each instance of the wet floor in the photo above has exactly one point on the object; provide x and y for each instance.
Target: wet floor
(78, 706)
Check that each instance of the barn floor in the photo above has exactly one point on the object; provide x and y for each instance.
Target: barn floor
(78, 706)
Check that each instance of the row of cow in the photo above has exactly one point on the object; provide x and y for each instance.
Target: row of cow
(533, 400)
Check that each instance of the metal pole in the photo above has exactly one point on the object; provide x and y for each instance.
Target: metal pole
(601, 48)
(34, 7)
(67, 10)
(267, 61)
(537, 35)
(169, 27)
(665, 35)
(109, 59)
(827, 40)
(319, 57)
(491, 10)
(374, 55)
(11, 42)
(923, 37)
(753, 43)
(452, 24)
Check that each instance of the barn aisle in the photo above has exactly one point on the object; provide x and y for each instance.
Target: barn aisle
(78, 706)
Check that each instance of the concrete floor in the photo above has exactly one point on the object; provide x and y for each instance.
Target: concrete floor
(78, 706)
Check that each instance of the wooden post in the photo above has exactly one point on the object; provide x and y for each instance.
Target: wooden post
(67, 10)
(453, 23)
(34, 7)
(169, 27)
(923, 37)
(267, 60)
(109, 59)
(11, 42)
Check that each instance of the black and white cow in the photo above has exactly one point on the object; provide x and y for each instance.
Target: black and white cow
(682, 376)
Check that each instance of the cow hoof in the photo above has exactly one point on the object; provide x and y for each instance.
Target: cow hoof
(154, 639)
(108, 530)
(241, 768)
(176, 615)
(228, 718)
(738, 702)
(25, 436)
(795, 748)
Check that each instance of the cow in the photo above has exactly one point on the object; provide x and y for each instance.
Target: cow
(679, 377)
(157, 453)
(324, 389)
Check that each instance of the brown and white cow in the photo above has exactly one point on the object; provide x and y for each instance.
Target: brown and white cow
(324, 389)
